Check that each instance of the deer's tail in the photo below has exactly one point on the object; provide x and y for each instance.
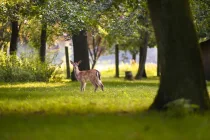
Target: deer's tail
(98, 74)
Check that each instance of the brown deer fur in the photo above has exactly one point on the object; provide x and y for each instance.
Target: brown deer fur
(87, 75)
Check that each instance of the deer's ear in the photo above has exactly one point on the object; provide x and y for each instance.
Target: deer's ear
(80, 61)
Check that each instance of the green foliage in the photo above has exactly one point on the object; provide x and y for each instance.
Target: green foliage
(14, 69)
(125, 22)
(180, 108)
(30, 33)
(201, 14)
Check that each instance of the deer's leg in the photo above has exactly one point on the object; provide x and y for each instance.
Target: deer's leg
(96, 87)
(82, 86)
(94, 84)
(101, 85)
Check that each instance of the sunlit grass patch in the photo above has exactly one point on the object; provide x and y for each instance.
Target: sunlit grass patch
(66, 98)
(109, 70)
(30, 85)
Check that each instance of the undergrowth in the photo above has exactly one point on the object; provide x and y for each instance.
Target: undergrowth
(26, 69)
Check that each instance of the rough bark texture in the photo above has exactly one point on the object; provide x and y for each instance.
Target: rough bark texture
(158, 63)
(182, 74)
(142, 57)
(205, 49)
(134, 56)
(80, 47)
(68, 75)
(117, 74)
(42, 51)
(14, 37)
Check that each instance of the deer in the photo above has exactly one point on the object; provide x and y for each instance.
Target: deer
(92, 75)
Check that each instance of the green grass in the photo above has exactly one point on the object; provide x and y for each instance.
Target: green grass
(62, 98)
(57, 111)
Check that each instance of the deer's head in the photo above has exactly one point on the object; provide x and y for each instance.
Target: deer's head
(75, 64)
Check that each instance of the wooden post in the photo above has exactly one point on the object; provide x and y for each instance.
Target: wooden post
(117, 60)
(67, 62)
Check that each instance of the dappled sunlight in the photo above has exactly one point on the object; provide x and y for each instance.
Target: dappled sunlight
(108, 70)
(30, 85)
(64, 98)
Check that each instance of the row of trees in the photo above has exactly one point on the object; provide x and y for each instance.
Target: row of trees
(126, 24)
(108, 22)
(36, 22)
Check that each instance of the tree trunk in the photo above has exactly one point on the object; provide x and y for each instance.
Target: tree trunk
(93, 65)
(205, 50)
(80, 47)
(182, 74)
(117, 61)
(68, 74)
(142, 57)
(134, 56)
(42, 52)
(14, 38)
(158, 63)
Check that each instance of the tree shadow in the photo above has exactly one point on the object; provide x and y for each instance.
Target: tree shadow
(21, 93)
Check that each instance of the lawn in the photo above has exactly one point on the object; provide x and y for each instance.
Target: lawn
(57, 111)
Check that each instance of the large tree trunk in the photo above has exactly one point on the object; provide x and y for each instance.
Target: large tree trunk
(205, 49)
(182, 74)
(142, 57)
(42, 52)
(117, 74)
(80, 47)
(14, 37)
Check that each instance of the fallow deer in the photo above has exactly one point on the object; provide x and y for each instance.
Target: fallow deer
(87, 75)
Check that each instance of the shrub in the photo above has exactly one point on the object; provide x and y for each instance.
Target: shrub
(180, 108)
(24, 69)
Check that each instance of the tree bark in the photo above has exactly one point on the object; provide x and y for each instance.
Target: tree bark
(14, 38)
(93, 65)
(142, 57)
(80, 46)
(134, 56)
(42, 51)
(117, 74)
(68, 75)
(158, 63)
(182, 74)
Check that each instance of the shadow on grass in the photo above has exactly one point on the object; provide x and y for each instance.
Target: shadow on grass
(130, 84)
(17, 91)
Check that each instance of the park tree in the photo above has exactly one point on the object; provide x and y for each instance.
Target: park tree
(75, 22)
(80, 46)
(128, 25)
(48, 13)
(13, 12)
(4, 33)
(96, 44)
(182, 74)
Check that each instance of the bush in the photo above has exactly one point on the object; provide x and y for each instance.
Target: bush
(22, 69)
(180, 108)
